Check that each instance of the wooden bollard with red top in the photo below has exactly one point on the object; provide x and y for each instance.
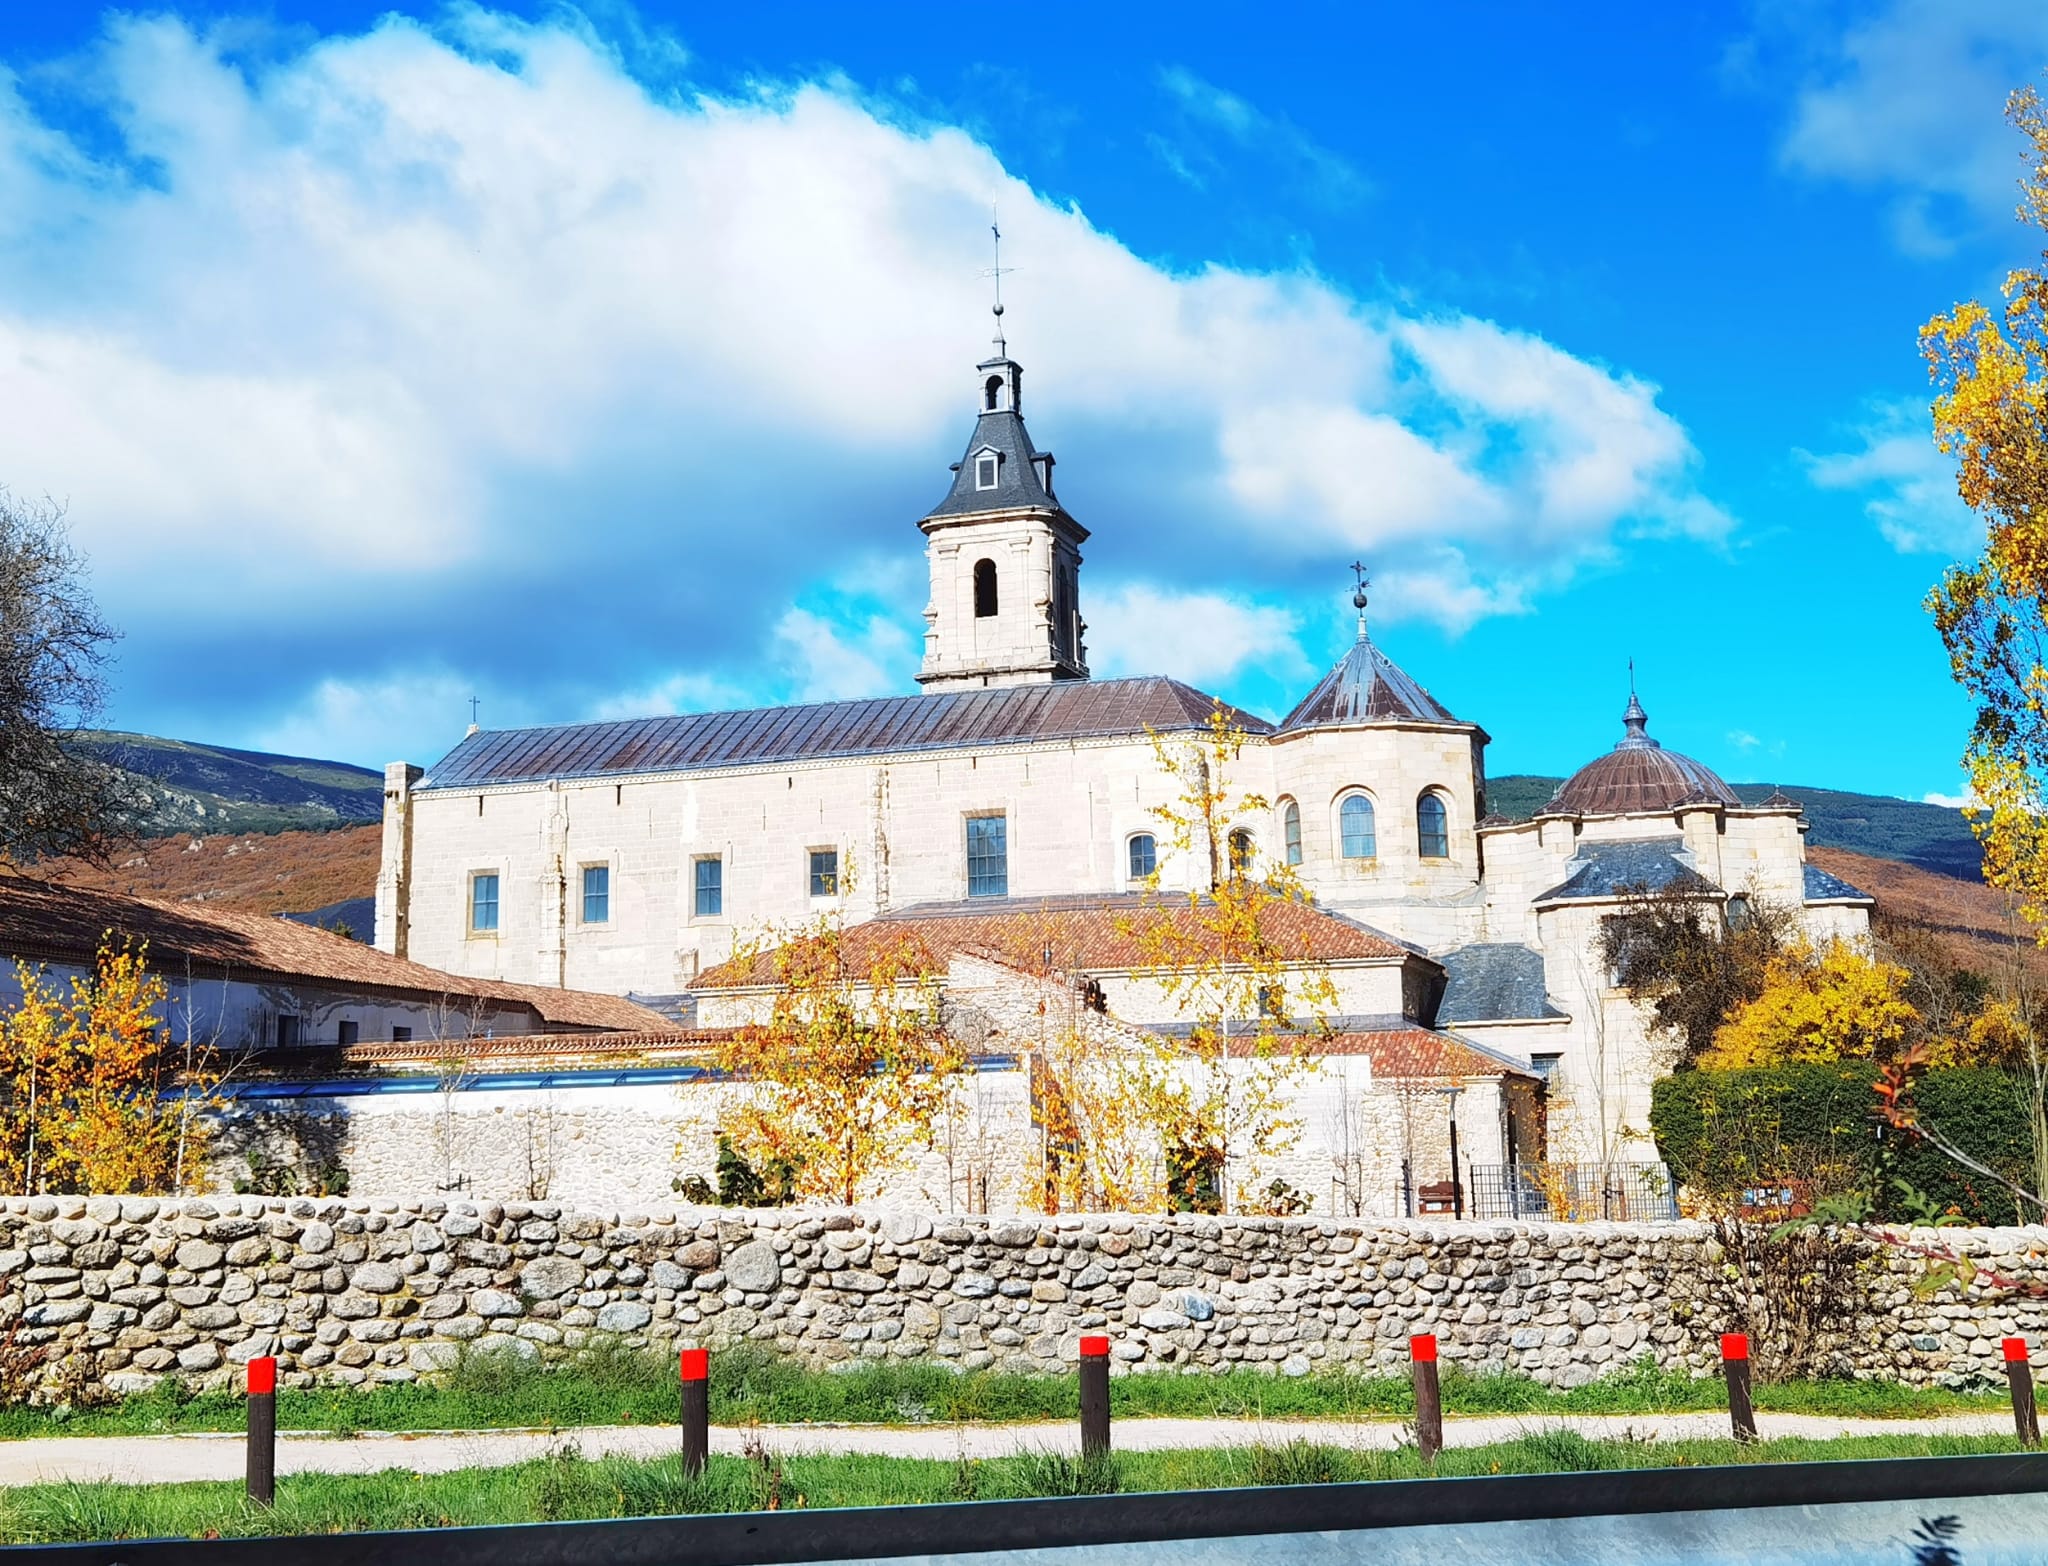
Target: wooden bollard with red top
(1429, 1401)
(262, 1464)
(2019, 1375)
(1735, 1366)
(696, 1374)
(1094, 1397)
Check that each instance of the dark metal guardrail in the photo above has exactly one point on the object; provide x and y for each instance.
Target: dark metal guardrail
(1572, 1193)
(991, 1527)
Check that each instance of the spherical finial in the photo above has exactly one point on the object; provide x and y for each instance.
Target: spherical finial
(998, 309)
(1358, 600)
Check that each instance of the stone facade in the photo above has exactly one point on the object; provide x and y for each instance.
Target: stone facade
(127, 1290)
(1081, 807)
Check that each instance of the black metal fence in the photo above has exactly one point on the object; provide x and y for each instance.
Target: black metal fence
(1572, 1193)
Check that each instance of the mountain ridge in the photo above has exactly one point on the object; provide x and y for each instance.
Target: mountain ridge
(218, 789)
(1929, 837)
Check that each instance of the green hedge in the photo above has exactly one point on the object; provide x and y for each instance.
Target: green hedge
(1724, 1131)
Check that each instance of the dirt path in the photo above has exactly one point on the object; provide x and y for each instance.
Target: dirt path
(182, 1458)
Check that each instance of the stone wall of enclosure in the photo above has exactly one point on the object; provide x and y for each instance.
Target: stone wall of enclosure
(126, 1290)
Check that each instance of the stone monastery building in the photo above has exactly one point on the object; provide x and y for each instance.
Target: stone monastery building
(628, 857)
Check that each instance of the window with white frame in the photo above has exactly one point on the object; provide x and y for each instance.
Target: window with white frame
(597, 894)
(1290, 831)
(985, 470)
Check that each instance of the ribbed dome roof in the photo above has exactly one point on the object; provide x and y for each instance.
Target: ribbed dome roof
(1638, 777)
(1366, 685)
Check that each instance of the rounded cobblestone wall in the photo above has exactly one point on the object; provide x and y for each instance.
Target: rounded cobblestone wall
(128, 1290)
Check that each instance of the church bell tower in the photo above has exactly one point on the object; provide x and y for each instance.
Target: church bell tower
(1005, 557)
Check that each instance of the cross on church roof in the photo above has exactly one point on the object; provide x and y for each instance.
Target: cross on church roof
(997, 272)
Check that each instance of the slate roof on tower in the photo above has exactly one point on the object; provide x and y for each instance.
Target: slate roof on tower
(766, 736)
(1023, 472)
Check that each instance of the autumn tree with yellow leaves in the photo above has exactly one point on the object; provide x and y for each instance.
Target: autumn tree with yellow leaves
(852, 1070)
(1221, 1090)
(1989, 366)
(86, 1079)
(1990, 372)
(1837, 1003)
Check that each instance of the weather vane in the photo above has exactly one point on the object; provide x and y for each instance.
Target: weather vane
(998, 271)
(473, 704)
(1364, 577)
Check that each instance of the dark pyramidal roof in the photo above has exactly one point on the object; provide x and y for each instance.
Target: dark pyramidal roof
(1365, 686)
(1638, 777)
(1022, 470)
(765, 736)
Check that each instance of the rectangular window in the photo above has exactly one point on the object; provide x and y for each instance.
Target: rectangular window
(346, 1034)
(287, 1032)
(988, 856)
(401, 1035)
(710, 901)
(824, 872)
(483, 904)
(597, 894)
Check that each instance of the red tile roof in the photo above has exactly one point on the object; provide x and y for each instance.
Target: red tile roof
(1419, 1053)
(43, 922)
(1081, 935)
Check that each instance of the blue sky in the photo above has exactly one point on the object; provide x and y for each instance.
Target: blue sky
(596, 362)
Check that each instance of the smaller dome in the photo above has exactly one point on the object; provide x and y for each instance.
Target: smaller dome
(1638, 777)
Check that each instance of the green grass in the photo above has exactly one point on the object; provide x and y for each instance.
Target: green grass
(564, 1487)
(751, 1385)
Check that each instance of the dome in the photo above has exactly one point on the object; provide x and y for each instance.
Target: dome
(1638, 777)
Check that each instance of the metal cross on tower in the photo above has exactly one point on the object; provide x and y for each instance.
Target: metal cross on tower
(998, 272)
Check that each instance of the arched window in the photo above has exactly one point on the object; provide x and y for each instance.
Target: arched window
(1242, 850)
(1432, 828)
(1290, 831)
(992, 393)
(1144, 856)
(984, 589)
(1356, 829)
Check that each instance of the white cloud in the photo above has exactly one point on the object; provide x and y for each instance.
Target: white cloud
(1913, 100)
(677, 691)
(459, 341)
(1594, 445)
(1327, 177)
(1204, 638)
(1742, 739)
(1908, 485)
(358, 720)
(1953, 801)
(825, 661)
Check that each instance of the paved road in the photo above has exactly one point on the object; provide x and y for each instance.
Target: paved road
(174, 1459)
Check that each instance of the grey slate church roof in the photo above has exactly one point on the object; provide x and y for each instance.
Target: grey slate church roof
(1602, 870)
(765, 736)
(1494, 982)
(1824, 888)
(1020, 483)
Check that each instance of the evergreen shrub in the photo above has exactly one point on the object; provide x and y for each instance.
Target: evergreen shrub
(1814, 1127)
